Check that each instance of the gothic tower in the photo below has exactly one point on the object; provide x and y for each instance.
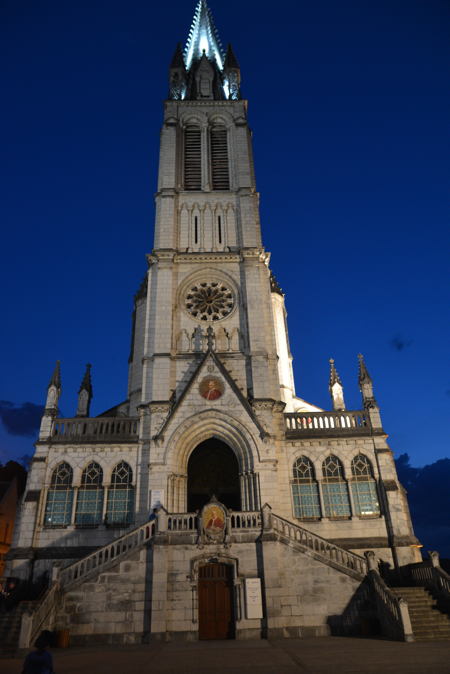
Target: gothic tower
(251, 485)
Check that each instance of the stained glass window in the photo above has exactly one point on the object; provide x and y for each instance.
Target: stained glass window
(120, 505)
(335, 489)
(58, 509)
(305, 492)
(364, 489)
(90, 496)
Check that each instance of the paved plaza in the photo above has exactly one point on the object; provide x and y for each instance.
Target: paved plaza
(290, 656)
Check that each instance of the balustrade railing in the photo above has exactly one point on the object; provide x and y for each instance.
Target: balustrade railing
(349, 422)
(332, 554)
(100, 429)
(43, 617)
(246, 520)
(102, 557)
(392, 610)
(182, 522)
(433, 577)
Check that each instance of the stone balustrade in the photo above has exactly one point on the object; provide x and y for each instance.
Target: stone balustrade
(333, 555)
(100, 429)
(305, 424)
(392, 610)
(103, 557)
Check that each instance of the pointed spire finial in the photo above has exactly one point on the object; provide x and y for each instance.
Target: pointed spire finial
(334, 375)
(335, 388)
(56, 376)
(86, 383)
(85, 393)
(53, 392)
(203, 36)
(363, 373)
(230, 58)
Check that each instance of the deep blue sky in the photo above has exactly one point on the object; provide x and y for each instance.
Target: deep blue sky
(348, 104)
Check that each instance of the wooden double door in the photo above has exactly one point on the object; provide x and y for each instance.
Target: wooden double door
(215, 601)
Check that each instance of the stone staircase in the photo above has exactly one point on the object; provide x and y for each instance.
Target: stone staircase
(10, 623)
(427, 621)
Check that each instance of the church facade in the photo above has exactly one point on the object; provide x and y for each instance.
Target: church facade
(213, 502)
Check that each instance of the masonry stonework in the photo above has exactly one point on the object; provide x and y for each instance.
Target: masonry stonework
(211, 417)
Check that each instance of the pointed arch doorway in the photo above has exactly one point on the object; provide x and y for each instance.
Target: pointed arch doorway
(213, 469)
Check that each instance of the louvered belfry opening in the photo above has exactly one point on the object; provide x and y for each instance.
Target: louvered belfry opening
(192, 158)
(219, 159)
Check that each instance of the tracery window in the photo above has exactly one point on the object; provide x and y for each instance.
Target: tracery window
(335, 489)
(90, 496)
(120, 504)
(58, 509)
(305, 492)
(364, 489)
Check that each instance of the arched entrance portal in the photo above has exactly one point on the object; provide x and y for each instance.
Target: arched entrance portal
(213, 469)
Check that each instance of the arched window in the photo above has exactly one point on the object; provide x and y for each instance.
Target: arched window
(192, 158)
(90, 496)
(305, 492)
(220, 172)
(335, 489)
(58, 509)
(120, 505)
(364, 489)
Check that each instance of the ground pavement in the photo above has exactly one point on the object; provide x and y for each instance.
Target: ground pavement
(328, 655)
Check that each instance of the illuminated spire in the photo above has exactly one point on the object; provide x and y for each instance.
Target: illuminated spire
(203, 37)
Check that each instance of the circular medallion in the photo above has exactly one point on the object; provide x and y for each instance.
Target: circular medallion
(209, 301)
(211, 388)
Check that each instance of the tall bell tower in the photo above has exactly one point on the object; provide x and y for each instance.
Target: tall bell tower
(208, 268)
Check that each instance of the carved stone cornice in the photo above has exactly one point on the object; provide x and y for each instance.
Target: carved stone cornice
(207, 257)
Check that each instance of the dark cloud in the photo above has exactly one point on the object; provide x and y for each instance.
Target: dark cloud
(399, 343)
(429, 500)
(21, 419)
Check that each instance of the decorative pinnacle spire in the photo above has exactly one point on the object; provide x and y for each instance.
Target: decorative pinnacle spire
(177, 58)
(334, 375)
(203, 37)
(85, 394)
(86, 384)
(363, 373)
(336, 389)
(56, 376)
(230, 59)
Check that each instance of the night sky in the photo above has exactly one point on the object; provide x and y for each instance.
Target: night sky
(348, 103)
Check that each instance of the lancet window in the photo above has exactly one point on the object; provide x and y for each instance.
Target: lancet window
(192, 158)
(58, 509)
(335, 489)
(305, 492)
(195, 153)
(364, 489)
(120, 504)
(89, 508)
(220, 176)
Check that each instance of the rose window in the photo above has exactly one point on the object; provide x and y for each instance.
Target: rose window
(209, 301)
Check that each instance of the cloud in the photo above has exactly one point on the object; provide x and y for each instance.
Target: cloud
(400, 343)
(21, 419)
(428, 496)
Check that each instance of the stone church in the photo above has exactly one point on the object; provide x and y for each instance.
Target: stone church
(213, 502)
